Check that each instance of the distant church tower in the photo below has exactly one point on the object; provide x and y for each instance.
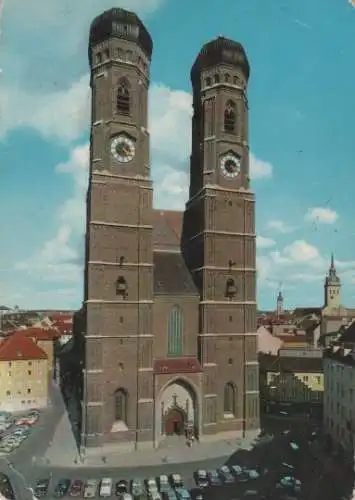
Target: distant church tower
(279, 304)
(332, 287)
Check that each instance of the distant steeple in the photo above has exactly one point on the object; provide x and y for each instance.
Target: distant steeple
(280, 304)
(332, 286)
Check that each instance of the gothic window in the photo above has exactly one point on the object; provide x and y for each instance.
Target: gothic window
(216, 78)
(208, 81)
(175, 331)
(98, 58)
(121, 405)
(229, 117)
(123, 98)
(227, 77)
(229, 398)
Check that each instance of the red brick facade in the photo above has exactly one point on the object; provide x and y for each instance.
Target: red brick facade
(170, 297)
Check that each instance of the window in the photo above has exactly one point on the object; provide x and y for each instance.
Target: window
(30, 363)
(208, 81)
(28, 391)
(29, 372)
(229, 117)
(175, 331)
(10, 364)
(8, 393)
(229, 405)
(98, 58)
(216, 78)
(121, 400)
(227, 77)
(123, 98)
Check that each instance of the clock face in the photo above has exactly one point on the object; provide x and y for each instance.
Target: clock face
(230, 166)
(123, 148)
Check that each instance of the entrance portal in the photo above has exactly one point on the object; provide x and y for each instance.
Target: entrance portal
(174, 422)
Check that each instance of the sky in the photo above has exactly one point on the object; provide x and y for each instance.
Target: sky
(302, 103)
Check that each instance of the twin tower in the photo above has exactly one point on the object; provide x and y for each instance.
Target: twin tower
(169, 315)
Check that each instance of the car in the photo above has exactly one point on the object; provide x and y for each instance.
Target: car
(214, 478)
(76, 488)
(152, 486)
(41, 488)
(62, 488)
(177, 480)
(6, 489)
(105, 489)
(90, 488)
(253, 474)
(226, 474)
(183, 494)
(201, 478)
(169, 495)
(137, 487)
(237, 469)
(164, 484)
(121, 487)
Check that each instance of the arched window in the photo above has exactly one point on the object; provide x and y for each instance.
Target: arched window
(175, 331)
(121, 287)
(216, 78)
(227, 77)
(208, 81)
(230, 398)
(121, 405)
(229, 117)
(123, 98)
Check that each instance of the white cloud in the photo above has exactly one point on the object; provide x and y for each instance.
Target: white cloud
(62, 115)
(321, 215)
(262, 242)
(280, 226)
(259, 169)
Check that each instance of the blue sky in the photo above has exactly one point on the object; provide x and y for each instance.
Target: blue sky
(302, 102)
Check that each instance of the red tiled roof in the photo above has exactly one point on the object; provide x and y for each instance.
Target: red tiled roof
(19, 346)
(177, 365)
(41, 333)
(167, 228)
(61, 318)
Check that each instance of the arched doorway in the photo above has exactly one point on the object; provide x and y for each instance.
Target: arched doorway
(175, 420)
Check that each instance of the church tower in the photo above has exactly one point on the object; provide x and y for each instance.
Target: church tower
(332, 287)
(117, 377)
(219, 238)
(279, 305)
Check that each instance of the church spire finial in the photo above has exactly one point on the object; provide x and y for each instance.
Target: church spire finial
(332, 266)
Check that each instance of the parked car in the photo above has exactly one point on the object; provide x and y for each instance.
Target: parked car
(121, 487)
(201, 478)
(226, 474)
(90, 488)
(183, 494)
(177, 480)
(164, 484)
(41, 488)
(62, 488)
(214, 478)
(105, 487)
(76, 488)
(137, 487)
(152, 486)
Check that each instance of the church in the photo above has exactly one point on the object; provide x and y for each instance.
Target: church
(169, 344)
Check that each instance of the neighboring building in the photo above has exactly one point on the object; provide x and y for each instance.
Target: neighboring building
(267, 343)
(339, 393)
(45, 338)
(23, 374)
(169, 311)
(292, 384)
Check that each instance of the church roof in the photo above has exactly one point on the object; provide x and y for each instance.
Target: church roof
(167, 228)
(171, 276)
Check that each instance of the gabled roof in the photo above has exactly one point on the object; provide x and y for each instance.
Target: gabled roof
(278, 364)
(167, 228)
(18, 346)
(171, 276)
(41, 333)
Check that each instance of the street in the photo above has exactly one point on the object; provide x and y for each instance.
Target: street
(288, 454)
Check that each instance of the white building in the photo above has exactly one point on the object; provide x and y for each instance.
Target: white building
(339, 393)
